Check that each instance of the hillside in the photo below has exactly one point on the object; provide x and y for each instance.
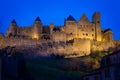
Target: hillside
(60, 68)
(55, 66)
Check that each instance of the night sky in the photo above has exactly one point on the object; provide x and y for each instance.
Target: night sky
(25, 12)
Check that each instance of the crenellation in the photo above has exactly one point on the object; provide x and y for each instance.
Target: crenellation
(73, 38)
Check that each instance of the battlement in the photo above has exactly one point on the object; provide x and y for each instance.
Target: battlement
(80, 37)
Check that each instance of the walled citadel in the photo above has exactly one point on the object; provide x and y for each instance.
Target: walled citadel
(76, 38)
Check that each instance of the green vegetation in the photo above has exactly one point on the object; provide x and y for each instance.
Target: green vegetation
(47, 69)
(64, 67)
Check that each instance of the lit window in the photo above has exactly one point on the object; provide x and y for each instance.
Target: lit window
(35, 36)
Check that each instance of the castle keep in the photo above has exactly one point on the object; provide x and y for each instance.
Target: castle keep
(73, 38)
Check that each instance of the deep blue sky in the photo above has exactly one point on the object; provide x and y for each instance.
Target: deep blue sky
(25, 12)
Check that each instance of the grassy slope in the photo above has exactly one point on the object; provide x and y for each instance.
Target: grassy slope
(47, 69)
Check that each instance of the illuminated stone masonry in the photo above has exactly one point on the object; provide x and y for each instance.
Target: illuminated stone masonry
(75, 38)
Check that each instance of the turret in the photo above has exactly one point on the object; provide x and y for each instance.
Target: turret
(70, 20)
(107, 35)
(71, 26)
(13, 28)
(96, 21)
(37, 28)
(38, 25)
(51, 28)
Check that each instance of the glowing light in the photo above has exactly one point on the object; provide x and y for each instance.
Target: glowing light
(35, 36)
(99, 39)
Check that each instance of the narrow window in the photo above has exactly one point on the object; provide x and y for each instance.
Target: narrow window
(86, 34)
(92, 29)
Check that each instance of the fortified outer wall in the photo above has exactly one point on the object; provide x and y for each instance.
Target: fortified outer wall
(81, 46)
(117, 42)
(17, 42)
(58, 36)
(101, 46)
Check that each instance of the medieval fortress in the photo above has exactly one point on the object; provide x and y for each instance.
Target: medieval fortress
(74, 38)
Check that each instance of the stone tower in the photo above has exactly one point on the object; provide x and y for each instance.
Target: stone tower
(51, 28)
(71, 27)
(13, 28)
(96, 21)
(110, 35)
(37, 28)
(107, 35)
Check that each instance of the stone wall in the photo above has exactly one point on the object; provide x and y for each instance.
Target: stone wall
(86, 30)
(17, 42)
(117, 42)
(81, 46)
(58, 36)
(101, 46)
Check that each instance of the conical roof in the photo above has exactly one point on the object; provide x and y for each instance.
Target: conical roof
(13, 21)
(70, 18)
(38, 19)
(107, 30)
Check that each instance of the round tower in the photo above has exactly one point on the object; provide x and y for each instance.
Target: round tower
(71, 27)
(108, 35)
(37, 28)
(13, 28)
